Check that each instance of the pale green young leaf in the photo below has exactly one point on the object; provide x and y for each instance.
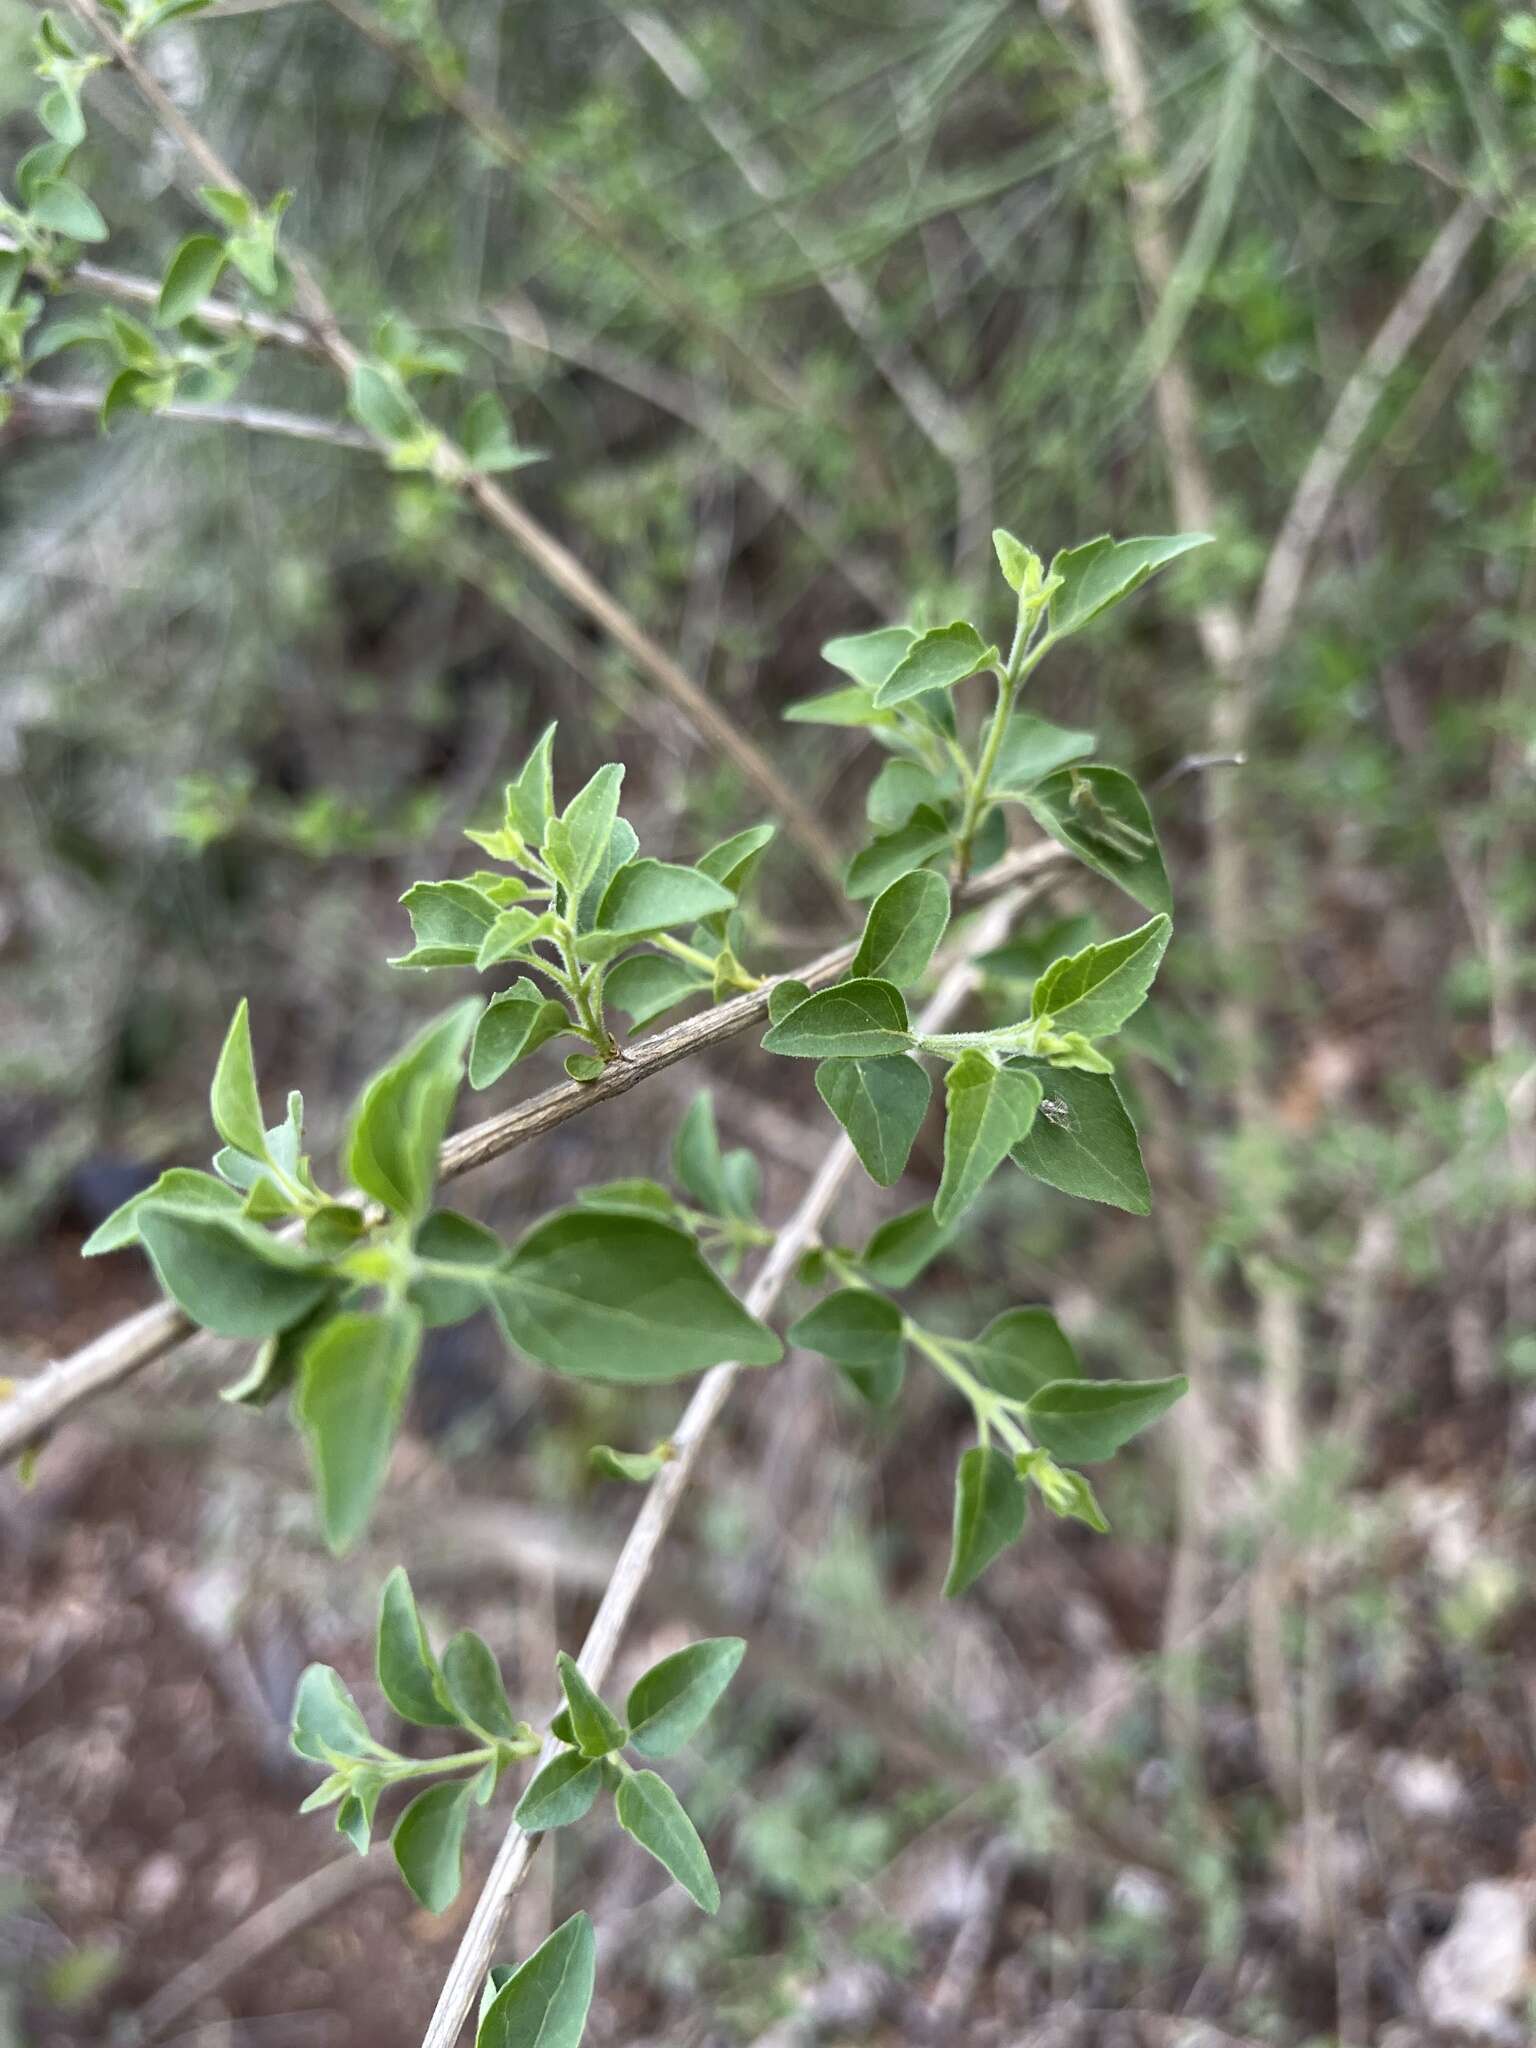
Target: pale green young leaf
(649, 1809)
(623, 1298)
(598, 1730)
(352, 1385)
(543, 2002)
(635, 1468)
(670, 1704)
(561, 1793)
(231, 1276)
(851, 1020)
(635, 1196)
(654, 895)
(473, 1683)
(897, 853)
(647, 985)
(449, 921)
(897, 791)
(1023, 570)
(181, 1186)
(1087, 1421)
(990, 1505)
(428, 1843)
(513, 1025)
(190, 277)
(376, 397)
(623, 845)
(514, 932)
(486, 435)
(869, 657)
(233, 1098)
(1021, 1351)
(905, 924)
(904, 1246)
(732, 864)
(576, 841)
(1099, 814)
(1065, 1493)
(326, 1722)
(1096, 990)
(987, 1111)
(530, 799)
(1031, 749)
(1083, 1142)
(64, 209)
(850, 706)
(861, 1332)
(407, 1669)
(936, 660)
(881, 1104)
(1101, 572)
(402, 1117)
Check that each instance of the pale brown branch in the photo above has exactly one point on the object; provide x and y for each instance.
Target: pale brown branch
(132, 290)
(251, 419)
(638, 1557)
(37, 1404)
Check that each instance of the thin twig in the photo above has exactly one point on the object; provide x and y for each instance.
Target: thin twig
(638, 1557)
(132, 290)
(37, 1404)
(252, 419)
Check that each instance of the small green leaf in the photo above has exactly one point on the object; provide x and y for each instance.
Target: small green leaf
(1021, 1351)
(1023, 570)
(190, 277)
(646, 985)
(1033, 748)
(543, 2003)
(783, 997)
(513, 934)
(229, 1275)
(62, 208)
(1099, 814)
(181, 1186)
(851, 1020)
(633, 1197)
(407, 1669)
(1088, 1420)
(472, 1680)
(636, 1468)
(449, 921)
(326, 1722)
(1065, 1493)
(904, 1246)
(987, 1111)
(861, 1332)
(457, 1241)
(732, 864)
(514, 1024)
(402, 1118)
(725, 1184)
(1083, 1141)
(649, 1810)
(234, 1099)
(1101, 572)
(1097, 990)
(376, 396)
(936, 660)
(897, 791)
(869, 657)
(352, 1385)
(654, 895)
(897, 853)
(584, 1066)
(575, 842)
(530, 800)
(670, 1704)
(487, 435)
(881, 1104)
(598, 1730)
(230, 208)
(904, 925)
(851, 706)
(428, 1842)
(990, 1505)
(561, 1793)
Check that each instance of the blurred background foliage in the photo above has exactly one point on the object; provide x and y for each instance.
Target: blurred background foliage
(796, 302)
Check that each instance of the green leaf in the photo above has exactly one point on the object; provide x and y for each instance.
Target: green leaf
(861, 1332)
(584, 1066)
(64, 209)
(904, 925)
(326, 1722)
(449, 921)
(623, 1298)
(181, 1186)
(1065, 1493)
(543, 2003)
(851, 1020)
(229, 1275)
(487, 435)
(1099, 814)
(654, 895)
(352, 1384)
(561, 1793)
(633, 1197)
(234, 1099)
(530, 800)
(512, 934)
(402, 1118)
(897, 791)
(646, 985)
(636, 1468)
(1088, 1420)
(232, 209)
(881, 1104)
(936, 660)
(598, 1730)
(1023, 570)
(457, 1241)
(560, 1727)
(575, 842)
(698, 1165)
(376, 396)
(670, 1704)
(1083, 1141)
(190, 277)
(990, 1505)
(472, 1680)
(1026, 956)
(987, 1111)
(407, 1669)
(428, 1842)
(785, 996)
(649, 1810)
(1021, 1351)
(1101, 572)
(850, 706)
(731, 864)
(869, 657)
(904, 1246)
(897, 853)
(1033, 748)
(513, 1025)
(1096, 990)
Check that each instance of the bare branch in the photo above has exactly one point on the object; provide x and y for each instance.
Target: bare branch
(251, 419)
